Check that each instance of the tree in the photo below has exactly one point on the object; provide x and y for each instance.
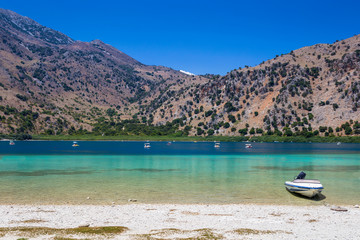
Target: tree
(259, 130)
(208, 113)
(229, 107)
(22, 97)
(243, 131)
(232, 118)
(252, 131)
(199, 131)
(335, 106)
(288, 132)
(277, 132)
(348, 130)
(210, 132)
(110, 112)
(322, 129)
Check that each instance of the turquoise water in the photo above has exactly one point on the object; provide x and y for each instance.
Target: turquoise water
(195, 173)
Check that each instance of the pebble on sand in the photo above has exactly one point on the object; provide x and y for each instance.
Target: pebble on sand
(84, 225)
(338, 209)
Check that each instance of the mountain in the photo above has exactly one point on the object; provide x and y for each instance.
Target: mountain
(312, 88)
(70, 83)
(50, 83)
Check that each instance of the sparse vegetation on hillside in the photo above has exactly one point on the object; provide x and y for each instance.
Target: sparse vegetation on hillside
(53, 86)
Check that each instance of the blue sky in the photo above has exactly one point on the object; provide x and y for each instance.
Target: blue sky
(198, 36)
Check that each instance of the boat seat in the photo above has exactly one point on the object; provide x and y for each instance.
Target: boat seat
(306, 181)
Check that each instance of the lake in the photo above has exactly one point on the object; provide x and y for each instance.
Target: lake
(54, 172)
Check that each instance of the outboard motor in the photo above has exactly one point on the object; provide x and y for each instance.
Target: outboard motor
(301, 175)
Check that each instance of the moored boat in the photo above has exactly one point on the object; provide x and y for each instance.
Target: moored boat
(147, 145)
(11, 143)
(248, 145)
(75, 144)
(306, 187)
(217, 145)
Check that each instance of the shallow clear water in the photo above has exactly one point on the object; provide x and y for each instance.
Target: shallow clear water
(40, 172)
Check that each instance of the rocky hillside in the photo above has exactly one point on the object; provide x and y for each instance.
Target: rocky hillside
(309, 89)
(50, 83)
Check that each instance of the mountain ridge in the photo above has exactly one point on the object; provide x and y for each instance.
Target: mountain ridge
(53, 84)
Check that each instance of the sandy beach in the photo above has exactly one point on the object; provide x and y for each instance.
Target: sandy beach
(174, 221)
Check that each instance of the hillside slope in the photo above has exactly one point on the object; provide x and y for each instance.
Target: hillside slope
(50, 83)
(309, 88)
(68, 83)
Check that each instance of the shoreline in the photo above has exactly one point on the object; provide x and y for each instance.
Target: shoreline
(252, 138)
(210, 221)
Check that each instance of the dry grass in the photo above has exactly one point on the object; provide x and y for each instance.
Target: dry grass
(31, 221)
(248, 231)
(312, 220)
(64, 232)
(276, 214)
(173, 233)
(207, 233)
(190, 213)
(65, 238)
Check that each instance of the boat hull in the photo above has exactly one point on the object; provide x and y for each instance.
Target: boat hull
(304, 188)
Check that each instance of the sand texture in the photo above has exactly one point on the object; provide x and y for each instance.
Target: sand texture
(174, 221)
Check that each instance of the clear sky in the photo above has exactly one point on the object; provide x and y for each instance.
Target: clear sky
(198, 36)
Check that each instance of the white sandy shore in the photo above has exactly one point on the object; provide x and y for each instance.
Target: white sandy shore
(273, 221)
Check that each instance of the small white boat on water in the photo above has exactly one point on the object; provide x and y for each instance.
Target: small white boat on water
(75, 144)
(248, 145)
(306, 187)
(147, 145)
(11, 143)
(217, 145)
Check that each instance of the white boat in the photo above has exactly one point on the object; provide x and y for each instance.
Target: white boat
(217, 145)
(11, 143)
(147, 145)
(306, 187)
(75, 144)
(248, 145)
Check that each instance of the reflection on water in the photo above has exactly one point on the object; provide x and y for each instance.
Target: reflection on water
(318, 197)
(224, 177)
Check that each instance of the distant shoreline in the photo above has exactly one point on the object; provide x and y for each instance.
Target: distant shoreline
(265, 138)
